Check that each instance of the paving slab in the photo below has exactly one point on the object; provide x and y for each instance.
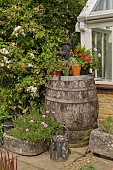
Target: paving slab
(43, 162)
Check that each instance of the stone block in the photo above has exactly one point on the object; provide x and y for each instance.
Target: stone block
(101, 143)
(105, 111)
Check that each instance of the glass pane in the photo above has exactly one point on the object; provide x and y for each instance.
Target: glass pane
(107, 57)
(103, 5)
(103, 43)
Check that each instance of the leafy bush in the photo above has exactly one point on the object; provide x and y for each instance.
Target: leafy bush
(26, 55)
(31, 32)
(35, 127)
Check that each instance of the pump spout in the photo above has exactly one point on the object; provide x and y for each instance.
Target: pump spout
(66, 46)
(59, 53)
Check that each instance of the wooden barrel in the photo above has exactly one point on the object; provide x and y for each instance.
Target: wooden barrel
(75, 103)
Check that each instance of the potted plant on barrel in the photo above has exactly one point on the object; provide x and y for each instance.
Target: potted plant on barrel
(75, 66)
(66, 67)
(83, 58)
(58, 67)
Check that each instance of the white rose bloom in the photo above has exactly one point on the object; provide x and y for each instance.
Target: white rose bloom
(32, 55)
(4, 51)
(17, 28)
(8, 62)
(2, 64)
(99, 55)
(95, 49)
(13, 44)
(5, 59)
(23, 32)
(28, 89)
(8, 66)
(30, 65)
(32, 89)
(16, 34)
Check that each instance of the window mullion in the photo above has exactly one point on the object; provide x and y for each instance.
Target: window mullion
(103, 56)
(112, 54)
(96, 47)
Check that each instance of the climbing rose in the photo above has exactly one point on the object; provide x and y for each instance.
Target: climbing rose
(95, 49)
(83, 55)
(88, 59)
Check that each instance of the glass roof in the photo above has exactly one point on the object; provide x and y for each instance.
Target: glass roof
(103, 5)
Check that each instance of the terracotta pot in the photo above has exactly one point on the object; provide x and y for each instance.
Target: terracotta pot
(57, 73)
(76, 70)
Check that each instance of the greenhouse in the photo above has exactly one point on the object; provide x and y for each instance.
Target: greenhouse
(95, 24)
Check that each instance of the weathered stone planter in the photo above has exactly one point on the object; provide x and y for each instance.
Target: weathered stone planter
(101, 143)
(23, 147)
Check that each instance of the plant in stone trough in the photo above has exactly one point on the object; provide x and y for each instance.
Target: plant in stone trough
(35, 127)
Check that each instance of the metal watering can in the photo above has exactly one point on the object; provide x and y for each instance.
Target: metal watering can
(59, 147)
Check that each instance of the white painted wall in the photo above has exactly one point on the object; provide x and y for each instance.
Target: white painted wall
(86, 38)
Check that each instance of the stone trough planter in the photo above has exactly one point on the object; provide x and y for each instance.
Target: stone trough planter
(101, 143)
(23, 147)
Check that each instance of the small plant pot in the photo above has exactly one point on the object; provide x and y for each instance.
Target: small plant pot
(76, 70)
(66, 72)
(58, 73)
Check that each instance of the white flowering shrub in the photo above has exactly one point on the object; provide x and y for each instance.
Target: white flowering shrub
(26, 59)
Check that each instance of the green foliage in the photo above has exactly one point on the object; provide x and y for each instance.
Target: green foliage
(35, 127)
(31, 32)
(107, 125)
(87, 166)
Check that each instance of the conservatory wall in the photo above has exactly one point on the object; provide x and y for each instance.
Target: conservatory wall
(95, 24)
